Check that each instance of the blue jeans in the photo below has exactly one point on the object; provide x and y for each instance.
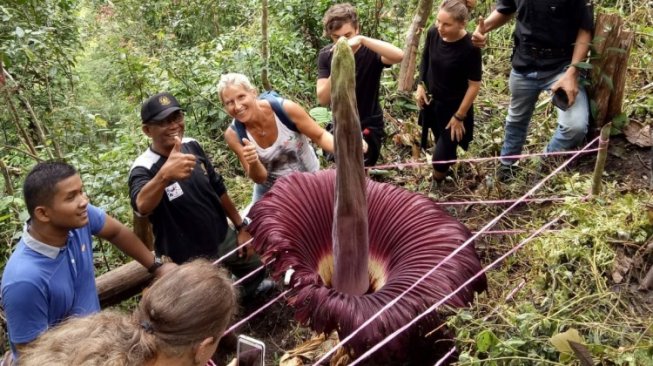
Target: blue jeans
(524, 91)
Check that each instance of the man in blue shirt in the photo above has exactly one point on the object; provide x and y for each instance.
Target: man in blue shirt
(50, 276)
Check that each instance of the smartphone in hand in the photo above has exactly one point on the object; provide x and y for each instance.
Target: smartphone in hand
(250, 351)
(560, 100)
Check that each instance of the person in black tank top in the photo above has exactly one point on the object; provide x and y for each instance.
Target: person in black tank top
(450, 78)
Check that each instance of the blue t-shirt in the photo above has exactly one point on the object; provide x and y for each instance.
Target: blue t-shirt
(43, 285)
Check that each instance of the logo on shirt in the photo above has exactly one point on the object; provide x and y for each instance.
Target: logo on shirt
(173, 191)
(83, 248)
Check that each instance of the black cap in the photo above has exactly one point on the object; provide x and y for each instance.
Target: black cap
(158, 107)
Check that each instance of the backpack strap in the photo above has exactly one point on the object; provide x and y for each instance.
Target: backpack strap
(239, 127)
(276, 103)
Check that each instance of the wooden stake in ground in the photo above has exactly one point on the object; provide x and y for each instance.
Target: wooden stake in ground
(604, 140)
(350, 227)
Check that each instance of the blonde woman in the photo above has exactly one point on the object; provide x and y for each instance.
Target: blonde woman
(270, 142)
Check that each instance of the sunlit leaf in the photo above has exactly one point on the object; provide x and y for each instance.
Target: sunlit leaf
(561, 340)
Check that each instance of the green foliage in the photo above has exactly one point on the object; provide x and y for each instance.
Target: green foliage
(85, 66)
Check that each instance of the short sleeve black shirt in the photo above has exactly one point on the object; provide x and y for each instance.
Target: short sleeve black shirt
(546, 31)
(189, 220)
(446, 67)
(368, 80)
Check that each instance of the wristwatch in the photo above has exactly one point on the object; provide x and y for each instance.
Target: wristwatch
(244, 224)
(157, 263)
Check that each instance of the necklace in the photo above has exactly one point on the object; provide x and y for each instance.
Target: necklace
(261, 132)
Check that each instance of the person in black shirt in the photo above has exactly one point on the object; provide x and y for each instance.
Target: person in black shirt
(550, 38)
(174, 184)
(450, 78)
(371, 57)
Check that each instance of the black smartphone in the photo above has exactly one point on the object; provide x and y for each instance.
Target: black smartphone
(560, 100)
(250, 351)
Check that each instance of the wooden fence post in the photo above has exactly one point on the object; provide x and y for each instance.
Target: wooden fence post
(610, 51)
(604, 140)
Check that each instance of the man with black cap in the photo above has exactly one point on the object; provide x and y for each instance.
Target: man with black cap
(174, 184)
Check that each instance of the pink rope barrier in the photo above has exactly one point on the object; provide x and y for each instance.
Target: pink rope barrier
(232, 252)
(253, 314)
(478, 160)
(485, 318)
(450, 295)
(253, 272)
(501, 202)
(444, 358)
(452, 254)
(514, 231)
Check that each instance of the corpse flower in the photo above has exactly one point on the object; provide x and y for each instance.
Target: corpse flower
(320, 224)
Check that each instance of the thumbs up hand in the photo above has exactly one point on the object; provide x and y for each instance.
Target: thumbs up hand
(479, 39)
(179, 166)
(249, 152)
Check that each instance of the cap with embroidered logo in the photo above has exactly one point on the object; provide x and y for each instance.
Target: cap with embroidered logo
(157, 107)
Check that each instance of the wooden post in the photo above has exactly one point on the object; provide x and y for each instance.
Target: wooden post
(610, 51)
(604, 140)
(143, 229)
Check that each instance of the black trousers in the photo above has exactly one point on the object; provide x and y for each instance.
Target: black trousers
(435, 117)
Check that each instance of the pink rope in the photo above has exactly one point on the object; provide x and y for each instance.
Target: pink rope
(253, 314)
(485, 318)
(452, 254)
(250, 274)
(476, 160)
(450, 295)
(444, 358)
(515, 231)
(500, 202)
(232, 252)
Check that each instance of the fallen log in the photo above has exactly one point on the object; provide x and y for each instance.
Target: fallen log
(122, 283)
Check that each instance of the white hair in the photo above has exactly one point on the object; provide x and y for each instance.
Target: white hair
(233, 78)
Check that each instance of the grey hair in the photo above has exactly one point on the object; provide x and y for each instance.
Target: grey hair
(233, 78)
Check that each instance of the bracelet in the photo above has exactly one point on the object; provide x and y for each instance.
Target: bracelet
(458, 118)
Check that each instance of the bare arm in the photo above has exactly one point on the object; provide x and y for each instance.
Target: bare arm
(123, 238)
(324, 91)
(457, 127)
(494, 20)
(390, 54)
(569, 80)
(307, 126)
(248, 157)
(470, 96)
(232, 213)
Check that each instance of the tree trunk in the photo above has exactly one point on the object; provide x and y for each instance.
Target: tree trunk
(350, 227)
(409, 63)
(143, 229)
(9, 189)
(610, 53)
(265, 47)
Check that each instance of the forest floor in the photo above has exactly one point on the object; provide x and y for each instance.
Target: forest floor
(627, 166)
